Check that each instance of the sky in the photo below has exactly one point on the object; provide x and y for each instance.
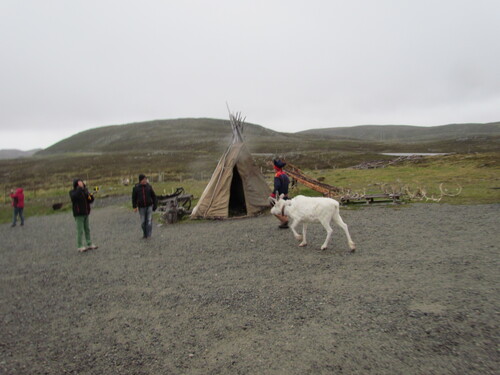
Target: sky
(288, 65)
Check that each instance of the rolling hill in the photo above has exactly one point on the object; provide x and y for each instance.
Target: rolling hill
(407, 133)
(192, 147)
(163, 135)
(12, 153)
(213, 135)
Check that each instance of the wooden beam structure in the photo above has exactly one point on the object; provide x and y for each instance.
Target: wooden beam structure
(325, 189)
(335, 192)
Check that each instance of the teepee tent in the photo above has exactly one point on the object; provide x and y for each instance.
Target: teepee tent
(237, 187)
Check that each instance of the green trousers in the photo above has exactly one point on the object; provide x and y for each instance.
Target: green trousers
(82, 226)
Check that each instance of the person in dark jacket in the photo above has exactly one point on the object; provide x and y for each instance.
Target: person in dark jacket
(281, 183)
(144, 200)
(81, 200)
(18, 204)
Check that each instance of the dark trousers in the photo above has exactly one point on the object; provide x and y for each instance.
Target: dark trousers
(18, 211)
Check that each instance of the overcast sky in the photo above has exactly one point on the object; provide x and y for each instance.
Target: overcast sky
(72, 65)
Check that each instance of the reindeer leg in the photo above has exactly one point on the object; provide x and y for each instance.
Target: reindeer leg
(304, 230)
(329, 231)
(338, 220)
(297, 236)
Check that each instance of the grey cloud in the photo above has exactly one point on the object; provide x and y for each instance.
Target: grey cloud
(287, 65)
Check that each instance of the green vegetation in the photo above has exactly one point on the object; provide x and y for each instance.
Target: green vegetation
(412, 134)
(39, 202)
(477, 174)
(184, 152)
(212, 136)
(47, 180)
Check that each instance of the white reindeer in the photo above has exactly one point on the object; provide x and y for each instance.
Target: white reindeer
(309, 210)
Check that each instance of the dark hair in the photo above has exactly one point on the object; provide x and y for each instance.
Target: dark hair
(75, 182)
(279, 163)
(141, 177)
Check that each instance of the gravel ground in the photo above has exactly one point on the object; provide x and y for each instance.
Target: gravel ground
(419, 296)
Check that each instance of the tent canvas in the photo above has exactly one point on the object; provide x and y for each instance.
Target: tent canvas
(237, 187)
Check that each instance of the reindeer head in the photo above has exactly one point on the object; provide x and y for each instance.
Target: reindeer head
(278, 205)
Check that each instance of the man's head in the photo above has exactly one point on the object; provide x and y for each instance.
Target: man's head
(278, 164)
(78, 182)
(143, 179)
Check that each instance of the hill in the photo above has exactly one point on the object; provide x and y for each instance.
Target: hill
(213, 135)
(12, 154)
(408, 133)
(164, 135)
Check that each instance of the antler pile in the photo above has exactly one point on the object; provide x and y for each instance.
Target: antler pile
(421, 193)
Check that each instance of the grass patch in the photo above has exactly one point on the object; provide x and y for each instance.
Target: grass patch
(478, 174)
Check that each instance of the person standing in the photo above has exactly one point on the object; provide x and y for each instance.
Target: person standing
(81, 200)
(281, 183)
(144, 200)
(18, 205)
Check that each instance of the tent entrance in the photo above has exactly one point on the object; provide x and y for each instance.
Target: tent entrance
(237, 205)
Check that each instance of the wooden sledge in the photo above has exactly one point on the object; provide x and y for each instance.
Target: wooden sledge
(337, 193)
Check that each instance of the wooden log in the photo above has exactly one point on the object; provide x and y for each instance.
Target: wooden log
(323, 188)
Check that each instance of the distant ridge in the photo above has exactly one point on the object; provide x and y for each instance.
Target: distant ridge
(408, 133)
(213, 135)
(14, 154)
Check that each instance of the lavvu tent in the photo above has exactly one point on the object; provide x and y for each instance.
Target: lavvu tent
(237, 187)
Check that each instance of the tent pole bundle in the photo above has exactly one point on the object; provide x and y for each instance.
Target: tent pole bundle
(236, 125)
(237, 187)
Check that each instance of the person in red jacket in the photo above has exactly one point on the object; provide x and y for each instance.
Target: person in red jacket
(18, 204)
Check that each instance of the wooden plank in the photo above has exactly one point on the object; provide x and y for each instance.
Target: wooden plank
(371, 198)
(325, 189)
(335, 192)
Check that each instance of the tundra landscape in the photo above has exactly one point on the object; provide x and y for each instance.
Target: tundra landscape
(418, 296)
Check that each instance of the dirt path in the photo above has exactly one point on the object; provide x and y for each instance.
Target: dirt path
(419, 296)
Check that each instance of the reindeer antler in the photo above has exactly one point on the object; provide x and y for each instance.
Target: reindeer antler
(421, 193)
(445, 192)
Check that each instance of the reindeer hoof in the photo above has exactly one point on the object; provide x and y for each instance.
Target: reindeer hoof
(323, 247)
(302, 244)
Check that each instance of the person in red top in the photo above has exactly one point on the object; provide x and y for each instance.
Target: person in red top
(18, 204)
(281, 182)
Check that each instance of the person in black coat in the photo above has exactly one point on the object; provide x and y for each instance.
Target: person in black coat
(81, 200)
(144, 200)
